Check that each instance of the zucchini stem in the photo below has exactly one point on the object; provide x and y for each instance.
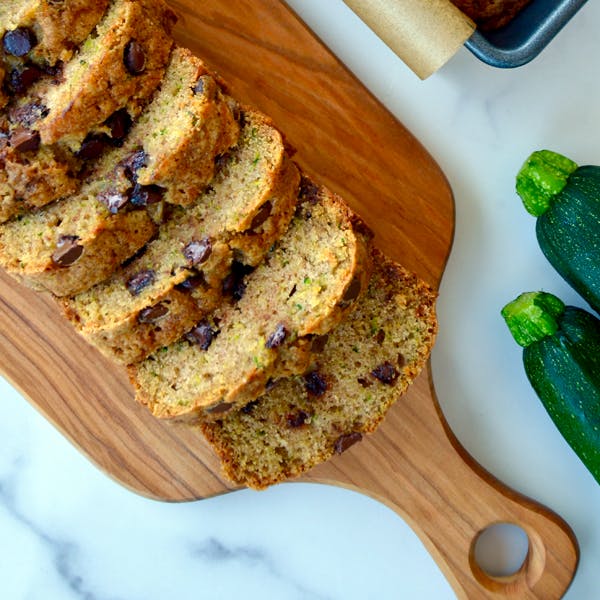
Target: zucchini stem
(532, 316)
(543, 175)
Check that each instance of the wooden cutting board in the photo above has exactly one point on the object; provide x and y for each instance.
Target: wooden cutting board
(350, 142)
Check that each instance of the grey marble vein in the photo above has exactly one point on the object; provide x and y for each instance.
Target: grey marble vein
(212, 550)
(64, 553)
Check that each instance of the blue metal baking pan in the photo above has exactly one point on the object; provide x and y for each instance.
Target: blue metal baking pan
(525, 36)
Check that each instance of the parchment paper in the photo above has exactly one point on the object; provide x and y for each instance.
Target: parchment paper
(425, 34)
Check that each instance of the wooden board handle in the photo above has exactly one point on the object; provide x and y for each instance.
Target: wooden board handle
(416, 466)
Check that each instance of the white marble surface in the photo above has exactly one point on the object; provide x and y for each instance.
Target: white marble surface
(68, 531)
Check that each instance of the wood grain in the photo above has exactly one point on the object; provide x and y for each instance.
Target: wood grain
(347, 140)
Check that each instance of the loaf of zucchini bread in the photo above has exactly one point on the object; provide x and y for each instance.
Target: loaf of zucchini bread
(175, 229)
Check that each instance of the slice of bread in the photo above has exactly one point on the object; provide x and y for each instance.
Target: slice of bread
(71, 245)
(53, 30)
(62, 113)
(118, 67)
(306, 284)
(181, 273)
(186, 127)
(368, 362)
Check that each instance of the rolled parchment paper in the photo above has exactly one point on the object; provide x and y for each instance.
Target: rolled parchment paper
(425, 34)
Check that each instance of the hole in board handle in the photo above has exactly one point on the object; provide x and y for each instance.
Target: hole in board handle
(507, 557)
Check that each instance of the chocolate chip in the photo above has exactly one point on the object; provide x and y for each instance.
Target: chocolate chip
(119, 124)
(353, 291)
(309, 191)
(222, 160)
(27, 114)
(202, 335)
(145, 195)
(315, 384)
(92, 147)
(20, 80)
(277, 337)
(25, 140)
(380, 337)
(19, 42)
(248, 409)
(198, 251)
(113, 200)
(136, 283)
(219, 409)
(191, 283)
(293, 290)
(67, 252)
(262, 215)
(386, 373)
(345, 441)
(318, 343)
(295, 420)
(152, 314)
(134, 58)
(364, 382)
(133, 163)
(199, 87)
(234, 284)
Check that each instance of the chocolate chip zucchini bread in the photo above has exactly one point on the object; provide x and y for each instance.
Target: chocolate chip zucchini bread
(44, 32)
(69, 246)
(181, 275)
(118, 67)
(367, 363)
(187, 126)
(305, 286)
(95, 218)
(54, 129)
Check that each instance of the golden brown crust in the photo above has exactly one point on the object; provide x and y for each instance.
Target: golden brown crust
(303, 421)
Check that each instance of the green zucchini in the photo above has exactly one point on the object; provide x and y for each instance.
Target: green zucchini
(565, 199)
(561, 356)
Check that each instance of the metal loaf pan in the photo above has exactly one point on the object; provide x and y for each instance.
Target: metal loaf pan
(525, 36)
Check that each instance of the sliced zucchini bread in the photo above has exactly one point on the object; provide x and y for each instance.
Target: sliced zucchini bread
(366, 364)
(304, 287)
(181, 275)
(57, 116)
(112, 217)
